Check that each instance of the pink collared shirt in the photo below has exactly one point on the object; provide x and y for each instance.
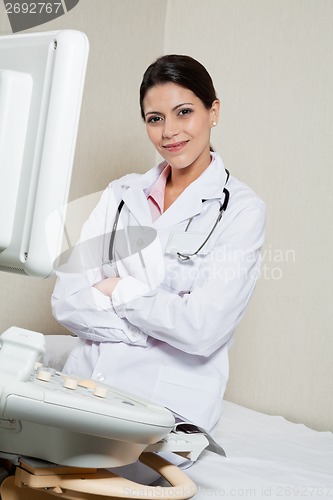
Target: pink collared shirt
(156, 196)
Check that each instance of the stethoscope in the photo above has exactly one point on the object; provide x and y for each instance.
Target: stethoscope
(183, 257)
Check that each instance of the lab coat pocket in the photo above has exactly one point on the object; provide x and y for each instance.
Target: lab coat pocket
(192, 396)
(180, 276)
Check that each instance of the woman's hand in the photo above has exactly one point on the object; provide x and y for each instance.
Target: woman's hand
(107, 285)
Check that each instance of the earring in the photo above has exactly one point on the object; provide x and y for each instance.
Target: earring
(214, 124)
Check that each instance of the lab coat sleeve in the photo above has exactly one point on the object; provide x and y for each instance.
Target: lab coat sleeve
(76, 303)
(201, 321)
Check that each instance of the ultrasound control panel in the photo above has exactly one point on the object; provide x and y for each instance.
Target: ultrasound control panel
(67, 420)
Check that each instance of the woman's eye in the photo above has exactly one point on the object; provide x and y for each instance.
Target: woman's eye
(154, 119)
(184, 112)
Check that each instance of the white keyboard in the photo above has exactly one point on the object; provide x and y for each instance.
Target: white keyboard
(66, 420)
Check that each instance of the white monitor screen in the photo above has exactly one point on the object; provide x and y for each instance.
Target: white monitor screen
(41, 85)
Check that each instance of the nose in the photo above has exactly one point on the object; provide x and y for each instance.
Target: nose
(170, 128)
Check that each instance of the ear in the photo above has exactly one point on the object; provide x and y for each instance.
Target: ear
(215, 112)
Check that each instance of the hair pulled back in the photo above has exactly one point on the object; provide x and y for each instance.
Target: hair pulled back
(182, 70)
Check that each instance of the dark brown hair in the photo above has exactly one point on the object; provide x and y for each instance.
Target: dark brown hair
(182, 70)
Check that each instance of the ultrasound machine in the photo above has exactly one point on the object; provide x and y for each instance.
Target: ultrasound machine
(61, 433)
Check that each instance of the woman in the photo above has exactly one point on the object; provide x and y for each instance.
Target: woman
(157, 317)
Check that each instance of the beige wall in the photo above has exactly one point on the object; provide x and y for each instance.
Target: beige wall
(271, 63)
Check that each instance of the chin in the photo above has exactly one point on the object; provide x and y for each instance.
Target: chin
(179, 162)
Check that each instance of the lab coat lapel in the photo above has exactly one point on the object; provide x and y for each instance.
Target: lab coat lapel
(187, 205)
(135, 197)
(136, 202)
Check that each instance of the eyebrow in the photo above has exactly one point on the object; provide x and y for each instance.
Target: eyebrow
(173, 109)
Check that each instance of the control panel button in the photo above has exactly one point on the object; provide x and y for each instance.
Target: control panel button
(87, 383)
(70, 383)
(43, 375)
(100, 392)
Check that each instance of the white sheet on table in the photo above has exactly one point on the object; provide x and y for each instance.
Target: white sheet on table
(268, 457)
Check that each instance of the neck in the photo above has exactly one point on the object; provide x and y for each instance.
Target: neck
(180, 179)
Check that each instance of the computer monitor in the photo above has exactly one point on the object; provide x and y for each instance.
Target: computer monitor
(41, 86)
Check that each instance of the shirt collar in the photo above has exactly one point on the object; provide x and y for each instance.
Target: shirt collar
(157, 191)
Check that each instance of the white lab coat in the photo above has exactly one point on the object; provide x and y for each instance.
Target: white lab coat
(165, 333)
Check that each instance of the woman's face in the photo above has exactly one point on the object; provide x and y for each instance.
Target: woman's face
(179, 125)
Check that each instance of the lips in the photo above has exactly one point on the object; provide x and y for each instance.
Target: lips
(176, 146)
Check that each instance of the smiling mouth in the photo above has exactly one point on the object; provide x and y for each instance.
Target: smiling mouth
(176, 146)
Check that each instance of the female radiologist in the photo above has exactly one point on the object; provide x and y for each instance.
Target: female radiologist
(155, 310)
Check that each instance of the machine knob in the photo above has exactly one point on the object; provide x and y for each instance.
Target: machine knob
(70, 383)
(43, 375)
(87, 383)
(100, 392)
